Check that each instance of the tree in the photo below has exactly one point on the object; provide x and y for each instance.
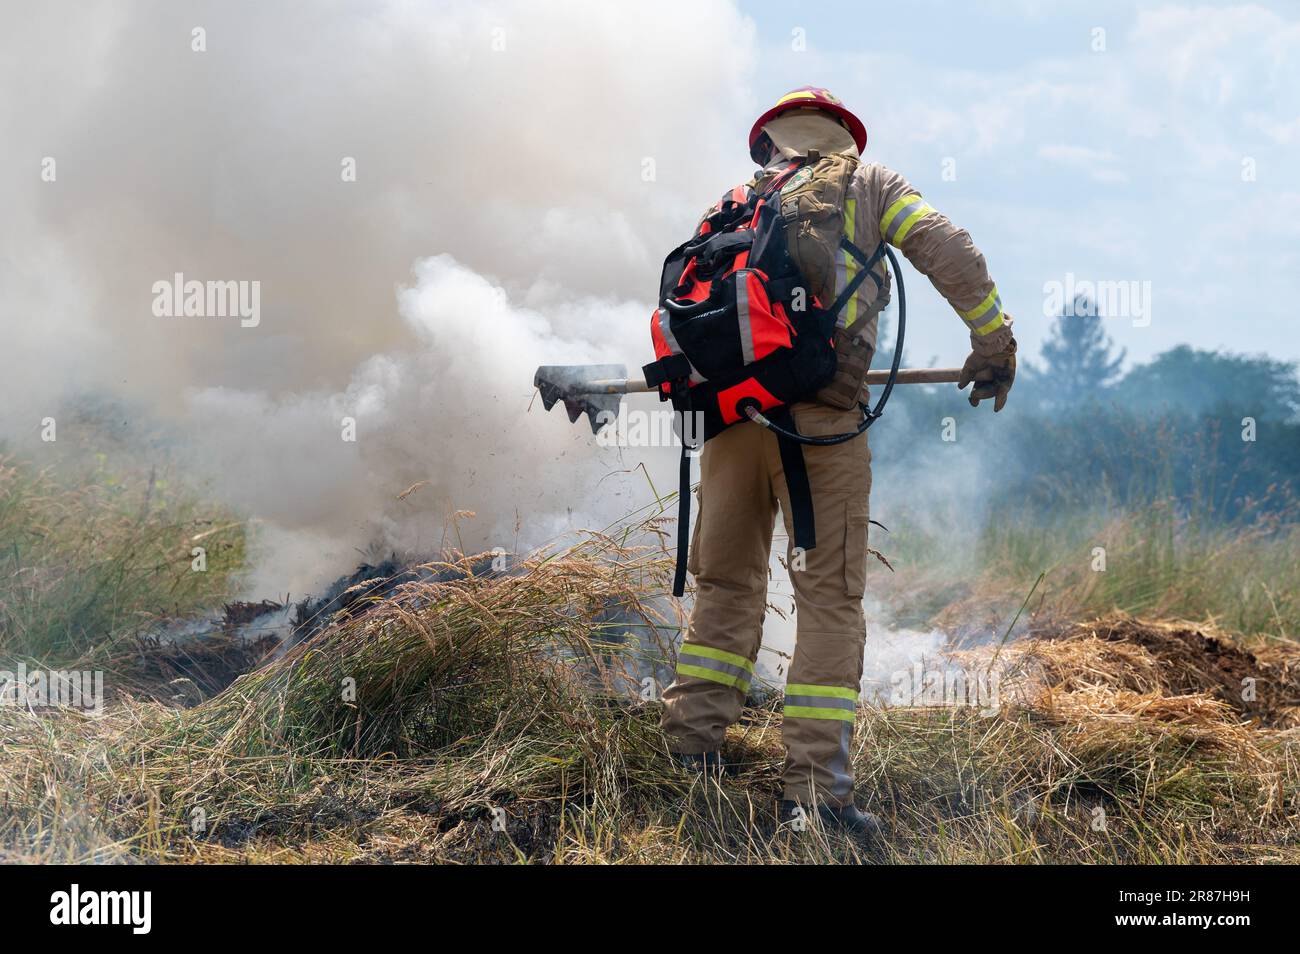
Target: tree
(1200, 382)
(1079, 355)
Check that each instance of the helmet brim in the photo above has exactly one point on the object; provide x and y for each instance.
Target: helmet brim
(856, 128)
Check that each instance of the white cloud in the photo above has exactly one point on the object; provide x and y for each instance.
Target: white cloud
(1098, 163)
(1283, 132)
(1075, 155)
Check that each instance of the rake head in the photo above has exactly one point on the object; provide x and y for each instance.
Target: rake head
(577, 387)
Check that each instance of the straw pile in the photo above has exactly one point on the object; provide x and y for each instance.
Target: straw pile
(1261, 683)
(1157, 706)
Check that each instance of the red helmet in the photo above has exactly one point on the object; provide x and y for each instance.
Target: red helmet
(816, 98)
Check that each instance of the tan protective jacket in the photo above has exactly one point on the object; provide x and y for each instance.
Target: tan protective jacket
(882, 204)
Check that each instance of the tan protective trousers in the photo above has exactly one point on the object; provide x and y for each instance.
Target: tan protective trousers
(741, 484)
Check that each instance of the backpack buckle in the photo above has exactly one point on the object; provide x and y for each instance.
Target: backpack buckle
(675, 367)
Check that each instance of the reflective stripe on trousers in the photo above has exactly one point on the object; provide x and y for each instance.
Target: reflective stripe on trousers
(715, 665)
(803, 701)
(820, 702)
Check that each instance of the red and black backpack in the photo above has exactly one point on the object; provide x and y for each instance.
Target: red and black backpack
(738, 337)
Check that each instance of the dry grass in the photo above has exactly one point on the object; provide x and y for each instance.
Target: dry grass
(456, 694)
(488, 719)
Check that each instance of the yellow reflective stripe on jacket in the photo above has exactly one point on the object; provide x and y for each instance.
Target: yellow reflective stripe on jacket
(987, 316)
(901, 216)
(850, 314)
(894, 209)
(715, 665)
(992, 326)
(804, 701)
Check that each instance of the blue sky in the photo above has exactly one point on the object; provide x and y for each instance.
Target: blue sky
(1128, 163)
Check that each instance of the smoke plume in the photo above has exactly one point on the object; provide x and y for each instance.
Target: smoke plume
(434, 199)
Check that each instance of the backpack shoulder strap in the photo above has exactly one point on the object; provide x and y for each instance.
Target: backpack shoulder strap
(863, 273)
(771, 180)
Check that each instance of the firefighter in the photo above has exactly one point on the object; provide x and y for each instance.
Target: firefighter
(742, 482)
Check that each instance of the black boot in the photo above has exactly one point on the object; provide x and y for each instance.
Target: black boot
(848, 819)
(701, 763)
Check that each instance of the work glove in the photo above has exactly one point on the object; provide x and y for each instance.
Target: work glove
(992, 368)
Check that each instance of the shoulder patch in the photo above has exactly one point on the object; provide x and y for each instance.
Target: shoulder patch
(803, 175)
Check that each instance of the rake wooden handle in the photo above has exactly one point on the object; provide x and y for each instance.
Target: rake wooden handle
(905, 376)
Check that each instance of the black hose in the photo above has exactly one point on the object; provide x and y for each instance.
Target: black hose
(898, 339)
(869, 416)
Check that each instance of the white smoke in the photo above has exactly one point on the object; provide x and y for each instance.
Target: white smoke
(521, 169)
(454, 414)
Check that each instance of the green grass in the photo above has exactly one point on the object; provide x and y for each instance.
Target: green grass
(1243, 574)
(90, 555)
